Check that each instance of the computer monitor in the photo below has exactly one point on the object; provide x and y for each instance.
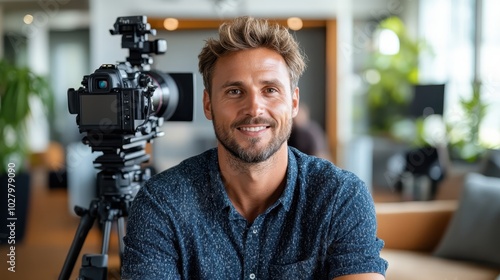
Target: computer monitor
(427, 100)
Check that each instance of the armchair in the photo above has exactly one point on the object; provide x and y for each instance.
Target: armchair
(412, 231)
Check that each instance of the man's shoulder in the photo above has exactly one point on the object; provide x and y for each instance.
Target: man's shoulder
(186, 172)
(312, 165)
(184, 188)
(318, 169)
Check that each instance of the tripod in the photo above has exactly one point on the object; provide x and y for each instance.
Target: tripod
(118, 183)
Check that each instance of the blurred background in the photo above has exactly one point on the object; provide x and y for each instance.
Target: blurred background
(406, 93)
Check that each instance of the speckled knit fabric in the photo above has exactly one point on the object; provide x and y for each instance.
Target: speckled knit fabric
(182, 225)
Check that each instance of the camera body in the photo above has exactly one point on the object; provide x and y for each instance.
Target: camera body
(111, 101)
(116, 99)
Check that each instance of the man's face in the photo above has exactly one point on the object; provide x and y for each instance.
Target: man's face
(251, 103)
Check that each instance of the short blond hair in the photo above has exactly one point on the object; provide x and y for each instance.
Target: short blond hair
(244, 33)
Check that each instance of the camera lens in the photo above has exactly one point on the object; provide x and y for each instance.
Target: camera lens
(166, 95)
(102, 83)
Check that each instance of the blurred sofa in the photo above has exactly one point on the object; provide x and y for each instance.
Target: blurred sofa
(444, 239)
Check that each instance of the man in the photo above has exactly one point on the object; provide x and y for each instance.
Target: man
(252, 208)
(307, 136)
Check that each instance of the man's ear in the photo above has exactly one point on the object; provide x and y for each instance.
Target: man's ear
(295, 102)
(207, 105)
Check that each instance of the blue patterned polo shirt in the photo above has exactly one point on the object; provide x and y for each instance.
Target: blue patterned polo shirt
(182, 225)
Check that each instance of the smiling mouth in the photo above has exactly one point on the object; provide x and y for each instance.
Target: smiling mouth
(253, 128)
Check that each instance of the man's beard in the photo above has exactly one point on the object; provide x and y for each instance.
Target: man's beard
(252, 154)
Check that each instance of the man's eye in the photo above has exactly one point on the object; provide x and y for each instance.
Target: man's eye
(234, 92)
(271, 90)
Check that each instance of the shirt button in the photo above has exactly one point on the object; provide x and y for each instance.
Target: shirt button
(255, 231)
(252, 276)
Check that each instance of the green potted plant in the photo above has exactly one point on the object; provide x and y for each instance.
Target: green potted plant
(18, 87)
(463, 133)
(391, 76)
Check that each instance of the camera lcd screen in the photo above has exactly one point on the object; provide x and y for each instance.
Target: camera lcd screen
(98, 110)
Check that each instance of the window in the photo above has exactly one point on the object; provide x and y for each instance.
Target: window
(457, 59)
(489, 70)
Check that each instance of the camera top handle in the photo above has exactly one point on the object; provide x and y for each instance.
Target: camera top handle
(134, 31)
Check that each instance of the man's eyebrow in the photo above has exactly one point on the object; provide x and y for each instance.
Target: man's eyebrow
(275, 82)
(272, 82)
(232, 84)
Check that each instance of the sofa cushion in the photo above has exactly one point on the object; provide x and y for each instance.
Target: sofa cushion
(411, 265)
(474, 231)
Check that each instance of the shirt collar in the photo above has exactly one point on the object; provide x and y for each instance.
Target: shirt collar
(291, 181)
(218, 192)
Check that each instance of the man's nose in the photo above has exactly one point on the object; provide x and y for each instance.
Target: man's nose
(254, 104)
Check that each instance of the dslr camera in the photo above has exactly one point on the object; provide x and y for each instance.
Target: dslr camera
(128, 98)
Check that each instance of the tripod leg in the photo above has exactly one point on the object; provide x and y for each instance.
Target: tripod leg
(95, 266)
(121, 234)
(105, 239)
(86, 222)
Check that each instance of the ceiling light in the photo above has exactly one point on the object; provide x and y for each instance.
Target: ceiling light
(28, 19)
(294, 23)
(171, 24)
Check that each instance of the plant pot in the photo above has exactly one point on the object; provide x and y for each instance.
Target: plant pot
(13, 227)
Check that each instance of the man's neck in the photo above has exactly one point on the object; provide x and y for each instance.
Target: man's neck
(252, 188)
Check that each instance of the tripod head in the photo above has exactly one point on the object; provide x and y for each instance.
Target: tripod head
(120, 163)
